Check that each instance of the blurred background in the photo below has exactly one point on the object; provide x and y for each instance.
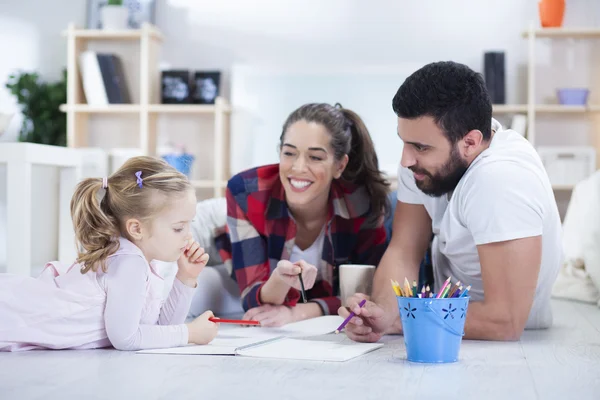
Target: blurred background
(208, 84)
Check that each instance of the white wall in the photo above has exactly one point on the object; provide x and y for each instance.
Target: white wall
(209, 34)
(30, 38)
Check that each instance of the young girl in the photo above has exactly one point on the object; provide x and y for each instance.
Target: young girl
(112, 294)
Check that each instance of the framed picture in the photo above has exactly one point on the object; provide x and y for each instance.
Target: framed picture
(206, 87)
(175, 87)
(140, 11)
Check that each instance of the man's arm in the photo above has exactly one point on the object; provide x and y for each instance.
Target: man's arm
(410, 239)
(509, 271)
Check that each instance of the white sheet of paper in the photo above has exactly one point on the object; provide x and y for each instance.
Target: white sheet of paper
(231, 339)
(309, 350)
(221, 345)
(309, 327)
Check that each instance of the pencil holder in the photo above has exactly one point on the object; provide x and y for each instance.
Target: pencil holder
(433, 328)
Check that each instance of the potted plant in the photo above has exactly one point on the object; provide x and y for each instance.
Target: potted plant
(43, 122)
(114, 15)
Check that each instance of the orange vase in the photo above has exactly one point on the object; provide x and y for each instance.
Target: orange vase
(552, 13)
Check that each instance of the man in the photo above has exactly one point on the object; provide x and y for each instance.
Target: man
(487, 200)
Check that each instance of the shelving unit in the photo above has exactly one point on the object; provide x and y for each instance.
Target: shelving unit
(147, 109)
(531, 109)
(532, 34)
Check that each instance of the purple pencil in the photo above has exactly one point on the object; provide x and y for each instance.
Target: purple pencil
(349, 317)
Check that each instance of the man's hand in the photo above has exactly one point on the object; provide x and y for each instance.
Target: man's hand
(370, 322)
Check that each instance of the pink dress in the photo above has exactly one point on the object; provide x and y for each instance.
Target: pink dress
(64, 309)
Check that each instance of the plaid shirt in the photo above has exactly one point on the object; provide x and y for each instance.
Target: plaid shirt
(260, 232)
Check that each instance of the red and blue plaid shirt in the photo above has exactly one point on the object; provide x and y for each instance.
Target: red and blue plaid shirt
(260, 231)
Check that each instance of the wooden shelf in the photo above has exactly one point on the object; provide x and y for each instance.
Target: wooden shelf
(544, 108)
(207, 184)
(186, 108)
(127, 34)
(567, 33)
(108, 109)
(559, 108)
(509, 108)
(136, 108)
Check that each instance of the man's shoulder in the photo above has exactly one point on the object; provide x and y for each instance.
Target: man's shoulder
(509, 154)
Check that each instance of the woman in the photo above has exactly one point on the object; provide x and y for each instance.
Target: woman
(323, 205)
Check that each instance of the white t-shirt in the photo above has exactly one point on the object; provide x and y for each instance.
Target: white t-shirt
(504, 195)
(312, 254)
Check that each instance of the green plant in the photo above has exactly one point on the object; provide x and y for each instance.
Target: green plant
(115, 2)
(43, 122)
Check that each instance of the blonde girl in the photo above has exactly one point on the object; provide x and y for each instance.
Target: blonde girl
(112, 294)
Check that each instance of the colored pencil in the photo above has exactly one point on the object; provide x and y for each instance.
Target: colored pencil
(233, 321)
(454, 289)
(445, 294)
(443, 288)
(458, 292)
(408, 290)
(463, 294)
(303, 290)
(397, 285)
(396, 289)
(339, 329)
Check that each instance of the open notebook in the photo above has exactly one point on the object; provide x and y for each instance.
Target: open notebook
(308, 350)
(307, 328)
(222, 345)
(279, 343)
(276, 348)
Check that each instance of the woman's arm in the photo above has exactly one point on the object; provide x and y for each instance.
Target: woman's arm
(249, 257)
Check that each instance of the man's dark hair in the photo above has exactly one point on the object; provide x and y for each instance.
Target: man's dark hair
(452, 94)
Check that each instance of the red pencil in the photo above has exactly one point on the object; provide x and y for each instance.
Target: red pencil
(233, 321)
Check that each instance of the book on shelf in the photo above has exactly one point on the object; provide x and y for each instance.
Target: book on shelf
(103, 79)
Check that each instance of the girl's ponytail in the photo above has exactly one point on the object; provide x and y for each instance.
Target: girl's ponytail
(96, 230)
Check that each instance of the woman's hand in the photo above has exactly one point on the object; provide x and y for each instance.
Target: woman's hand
(270, 315)
(288, 273)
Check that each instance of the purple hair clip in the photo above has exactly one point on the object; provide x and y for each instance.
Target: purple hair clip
(139, 178)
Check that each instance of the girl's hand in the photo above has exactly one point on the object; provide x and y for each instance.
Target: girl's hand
(201, 330)
(191, 263)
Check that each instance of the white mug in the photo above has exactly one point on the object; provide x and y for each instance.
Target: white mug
(355, 278)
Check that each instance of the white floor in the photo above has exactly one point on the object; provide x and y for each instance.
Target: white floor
(560, 363)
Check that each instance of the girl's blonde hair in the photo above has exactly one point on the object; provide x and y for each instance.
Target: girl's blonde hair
(98, 213)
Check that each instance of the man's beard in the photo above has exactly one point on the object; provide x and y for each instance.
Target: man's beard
(446, 179)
